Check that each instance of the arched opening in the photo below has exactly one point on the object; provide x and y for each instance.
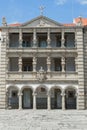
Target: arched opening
(56, 99)
(41, 98)
(27, 98)
(70, 98)
(13, 100)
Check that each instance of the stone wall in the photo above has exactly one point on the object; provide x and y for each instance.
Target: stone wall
(3, 71)
(81, 99)
(85, 65)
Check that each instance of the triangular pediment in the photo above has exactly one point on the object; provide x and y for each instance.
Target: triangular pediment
(41, 21)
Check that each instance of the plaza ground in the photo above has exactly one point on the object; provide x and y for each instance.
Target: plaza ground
(43, 120)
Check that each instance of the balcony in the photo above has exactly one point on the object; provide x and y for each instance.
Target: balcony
(41, 50)
(50, 76)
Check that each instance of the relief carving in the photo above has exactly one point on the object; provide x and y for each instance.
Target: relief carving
(41, 75)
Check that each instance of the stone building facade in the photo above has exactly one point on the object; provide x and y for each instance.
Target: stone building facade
(43, 65)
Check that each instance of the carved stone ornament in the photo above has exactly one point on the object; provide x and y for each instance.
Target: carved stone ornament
(41, 75)
(43, 23)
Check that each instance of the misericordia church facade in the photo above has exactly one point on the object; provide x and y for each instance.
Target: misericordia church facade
(43, 65)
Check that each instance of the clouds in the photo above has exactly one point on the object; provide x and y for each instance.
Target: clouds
(83, 2)
(60, 2)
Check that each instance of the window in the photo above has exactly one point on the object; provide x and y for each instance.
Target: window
(13, 64)
(27, 64)
(58, 66)
(14, 40)
(26, 44)
(43, 44)
(69, 39)
(42, 40)
(58, 41)
(27, 39)
(70, 64)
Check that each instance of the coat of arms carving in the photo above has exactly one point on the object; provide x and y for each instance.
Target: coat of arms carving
(41, 75)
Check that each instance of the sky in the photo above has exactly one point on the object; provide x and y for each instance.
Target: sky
(62, 11)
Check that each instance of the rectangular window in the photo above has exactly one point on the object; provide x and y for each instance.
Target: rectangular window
(13, 64)
(27, 64)
(57, 63)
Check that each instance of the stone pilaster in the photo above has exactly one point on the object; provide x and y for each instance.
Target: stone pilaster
(63, 64)
(48, 64)
(62, 38)
(7, 101)
(20, 64)
(76, 64)
(7, 39)
(34, 38)
(75, 40)
(20, 38)
(7, 62)
(20, 100)
(48, 38)
(34, 101)
(81, 98)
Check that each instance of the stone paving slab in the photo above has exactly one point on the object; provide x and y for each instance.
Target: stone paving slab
(43, 120)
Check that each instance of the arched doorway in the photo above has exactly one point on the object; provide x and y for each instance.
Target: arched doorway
(70, 98)
(56, 99)
(27, 98)
(12, 98)
(41, 98)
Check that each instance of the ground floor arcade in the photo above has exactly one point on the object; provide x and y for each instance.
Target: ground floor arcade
(41, 97)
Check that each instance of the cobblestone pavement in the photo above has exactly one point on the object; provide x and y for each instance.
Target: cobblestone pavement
(43, 120)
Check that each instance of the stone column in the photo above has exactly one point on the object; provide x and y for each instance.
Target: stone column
(63, 64)
(34, 38)
(34, 64)
(48, 38)
(7, 99)
(20, 100)
(63, 100)
(20, 38)
(34, 101)
(76, 64)
(48, 101)
(20, 64)
(62, 39)
(48, 64)
(77, 106)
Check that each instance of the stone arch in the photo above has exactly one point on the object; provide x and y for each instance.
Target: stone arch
(12, 97)
(70, 87)
(25, 87)
(56, 98)
(27, 97)
(56, 87)
(42, 86)
(41, 97)
(12, 86)
(70, 97)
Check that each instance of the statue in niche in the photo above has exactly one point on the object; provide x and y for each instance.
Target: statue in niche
(41, 75)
